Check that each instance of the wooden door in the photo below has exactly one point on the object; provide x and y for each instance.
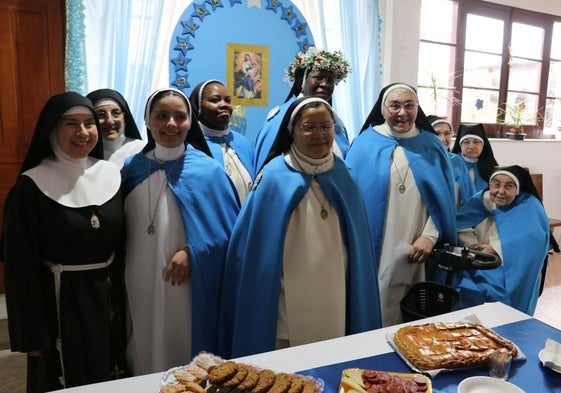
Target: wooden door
(31, 70)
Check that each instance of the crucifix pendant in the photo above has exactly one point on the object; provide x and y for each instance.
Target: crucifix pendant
(401, 188)
(94, 221)
(151, 229)
(323, 213)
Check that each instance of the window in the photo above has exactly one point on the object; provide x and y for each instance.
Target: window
(478, 61)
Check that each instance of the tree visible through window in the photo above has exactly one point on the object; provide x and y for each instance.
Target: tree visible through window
(488, 63)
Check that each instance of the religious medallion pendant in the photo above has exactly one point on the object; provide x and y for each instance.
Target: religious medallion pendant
(151, 229)
(401, 188)
(94, 221)
(323, 213)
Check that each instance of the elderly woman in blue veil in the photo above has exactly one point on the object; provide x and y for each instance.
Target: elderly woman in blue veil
(407, 183)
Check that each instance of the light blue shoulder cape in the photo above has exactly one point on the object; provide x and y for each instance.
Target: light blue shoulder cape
(208, 206)
(461, 175)
(478, 182)
(250, 294)
(268, 132)
(236, 141)
(523, 229)
(370, 157)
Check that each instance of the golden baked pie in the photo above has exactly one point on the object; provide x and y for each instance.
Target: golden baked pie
(449, 345)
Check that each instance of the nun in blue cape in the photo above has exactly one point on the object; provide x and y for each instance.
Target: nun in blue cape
(407, 183)
(480, 168)
(519, 234)
(228, 147)
(313, 60)
(300, 264)
(464, 185)
(177, 199)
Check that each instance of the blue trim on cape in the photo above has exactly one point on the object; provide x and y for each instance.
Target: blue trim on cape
(370, 157)
(462, 178)
(479, 183)
(208, 205)
(250, 295)
(268, 132)
(523, 229)
(236, 141)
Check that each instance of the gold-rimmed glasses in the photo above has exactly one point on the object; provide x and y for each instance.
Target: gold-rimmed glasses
(395, 107)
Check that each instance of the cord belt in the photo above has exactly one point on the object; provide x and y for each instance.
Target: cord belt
(57, 269)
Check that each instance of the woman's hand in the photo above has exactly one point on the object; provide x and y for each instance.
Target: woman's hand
(420, 250)
(486, 248)
(179, 268)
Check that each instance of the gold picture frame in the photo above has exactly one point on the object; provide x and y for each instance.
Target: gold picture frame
(247, 74)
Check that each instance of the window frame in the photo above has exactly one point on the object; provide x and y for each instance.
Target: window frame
(508, 15)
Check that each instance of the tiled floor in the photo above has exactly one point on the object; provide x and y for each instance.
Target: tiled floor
(13, 366)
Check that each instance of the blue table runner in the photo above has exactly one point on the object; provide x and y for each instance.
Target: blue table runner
(528, 374)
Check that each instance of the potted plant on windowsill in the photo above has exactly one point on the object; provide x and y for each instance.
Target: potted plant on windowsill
(512, 118)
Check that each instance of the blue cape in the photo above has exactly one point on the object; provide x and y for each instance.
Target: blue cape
(461, 175)
(208, 206)
(268, 132)
(479, 182)
(236, 141)
(370, 157)
(523, 229)
(250, 295)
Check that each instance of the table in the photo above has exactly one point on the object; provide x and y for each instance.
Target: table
(325, 359)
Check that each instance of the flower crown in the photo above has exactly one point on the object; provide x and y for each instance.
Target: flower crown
(318, 59)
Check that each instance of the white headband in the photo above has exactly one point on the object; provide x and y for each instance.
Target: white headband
(79, 109)
(299, 106)
(394, 87)
(106, 101)
(200, 97)
(509, 174)
(471, 136)
(154, 94)
(441, 121)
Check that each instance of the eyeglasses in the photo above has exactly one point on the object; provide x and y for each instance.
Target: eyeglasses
(445, 133)
(309, 129)
(394, 107)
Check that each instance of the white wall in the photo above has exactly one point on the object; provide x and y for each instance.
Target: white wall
(539, 156)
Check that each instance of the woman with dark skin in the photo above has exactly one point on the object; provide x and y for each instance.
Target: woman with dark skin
(212, 104)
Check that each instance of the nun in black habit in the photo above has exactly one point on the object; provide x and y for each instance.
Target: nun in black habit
(63, 222)
(118, 130)
(474, 147)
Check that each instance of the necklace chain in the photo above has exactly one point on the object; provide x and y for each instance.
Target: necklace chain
(151, 229)
(323, 212)
(401, 188)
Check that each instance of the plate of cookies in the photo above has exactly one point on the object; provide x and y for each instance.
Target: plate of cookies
(208, 373)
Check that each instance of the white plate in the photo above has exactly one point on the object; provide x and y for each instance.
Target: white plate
(553, 367)
(487, 385)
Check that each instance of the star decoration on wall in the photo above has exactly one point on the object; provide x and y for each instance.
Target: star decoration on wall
(180, 63)
(273, 5)
(189, 27)
(181, 82)
(202, 8)
(215, 4)
(183, 45)
(299, 28)
(304, 45)
(288, 14)
(200, 11)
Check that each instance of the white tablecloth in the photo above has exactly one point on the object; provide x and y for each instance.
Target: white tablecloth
(321, 353)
